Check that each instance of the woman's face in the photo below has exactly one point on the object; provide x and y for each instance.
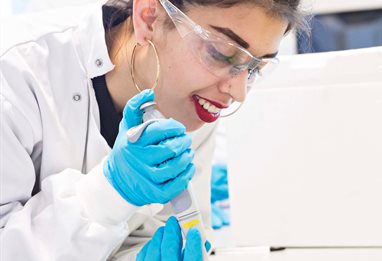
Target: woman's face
(184, 80)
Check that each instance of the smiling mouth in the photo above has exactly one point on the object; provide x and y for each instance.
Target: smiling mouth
(207, 106)
(208, 111)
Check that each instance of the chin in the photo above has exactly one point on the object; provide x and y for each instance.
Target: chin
(193, 126)
(189, 119)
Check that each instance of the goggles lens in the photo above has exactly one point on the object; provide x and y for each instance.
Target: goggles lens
(224, 59)
(220, 58)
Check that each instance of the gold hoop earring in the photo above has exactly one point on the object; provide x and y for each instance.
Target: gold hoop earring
(229, 114)
(132, 66)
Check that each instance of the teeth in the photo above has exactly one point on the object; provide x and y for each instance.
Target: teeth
(212, 109)
(208, 106)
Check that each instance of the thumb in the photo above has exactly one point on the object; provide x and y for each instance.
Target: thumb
(132, 115)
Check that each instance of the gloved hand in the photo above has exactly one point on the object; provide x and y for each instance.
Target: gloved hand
(219, 217)
(219, 182)
(219, 192)
(167, 242)
(158, 166)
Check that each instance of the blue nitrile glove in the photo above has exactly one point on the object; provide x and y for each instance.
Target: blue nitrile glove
(158, 166)
(167, 242)
(219, 217)
(219, 192)
(219, 182)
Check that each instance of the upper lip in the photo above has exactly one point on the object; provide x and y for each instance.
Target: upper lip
(217, 104)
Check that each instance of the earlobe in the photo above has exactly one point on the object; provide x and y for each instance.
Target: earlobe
(144, 15)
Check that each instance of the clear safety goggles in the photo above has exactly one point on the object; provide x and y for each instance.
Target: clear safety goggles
(220, 57)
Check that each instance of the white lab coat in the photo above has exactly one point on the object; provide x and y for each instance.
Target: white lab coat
(50, 137)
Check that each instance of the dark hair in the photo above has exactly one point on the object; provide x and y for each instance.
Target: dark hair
(286, 9)
(120, 10)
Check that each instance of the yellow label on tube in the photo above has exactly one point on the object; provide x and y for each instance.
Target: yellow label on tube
(191, 223)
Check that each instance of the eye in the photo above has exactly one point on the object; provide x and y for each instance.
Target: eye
(257, 71)
(218, 56)
(237, 69)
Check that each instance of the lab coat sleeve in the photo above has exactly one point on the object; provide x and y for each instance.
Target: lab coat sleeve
(73, 217)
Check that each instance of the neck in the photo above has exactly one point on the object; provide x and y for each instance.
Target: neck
(119, 81)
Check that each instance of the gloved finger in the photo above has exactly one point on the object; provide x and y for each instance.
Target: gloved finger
(172, 241)
(220, 170)
(225, 218)
(158, 174)
(215, 218)
(154, 249)
(132, 115)
(173, 167)
(161, 130)
(175, 146)
(165, 150)
(219, 174)
(143, 253)
(193, 249)
(176, 186)
(220, 177)
(163, 192)
(219, 192)
(221, 214)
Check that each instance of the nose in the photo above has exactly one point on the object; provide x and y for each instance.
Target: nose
(235, 86)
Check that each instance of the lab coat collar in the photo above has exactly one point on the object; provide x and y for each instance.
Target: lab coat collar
(91, 43)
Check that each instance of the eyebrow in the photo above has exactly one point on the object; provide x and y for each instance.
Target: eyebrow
(229, 33)
(270, 55)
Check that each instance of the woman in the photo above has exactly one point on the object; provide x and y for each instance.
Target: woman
(66, 195)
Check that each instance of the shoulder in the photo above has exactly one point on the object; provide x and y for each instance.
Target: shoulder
(41, 47)
(22, 30)
(37, 54)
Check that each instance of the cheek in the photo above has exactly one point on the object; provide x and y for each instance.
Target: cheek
(181, 77)
(182, 70)
(180, 66)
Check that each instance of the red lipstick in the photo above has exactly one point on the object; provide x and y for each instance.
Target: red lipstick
(203, 114)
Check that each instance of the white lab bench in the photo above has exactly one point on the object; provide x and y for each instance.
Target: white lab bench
(226, 253)
(331, 254)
